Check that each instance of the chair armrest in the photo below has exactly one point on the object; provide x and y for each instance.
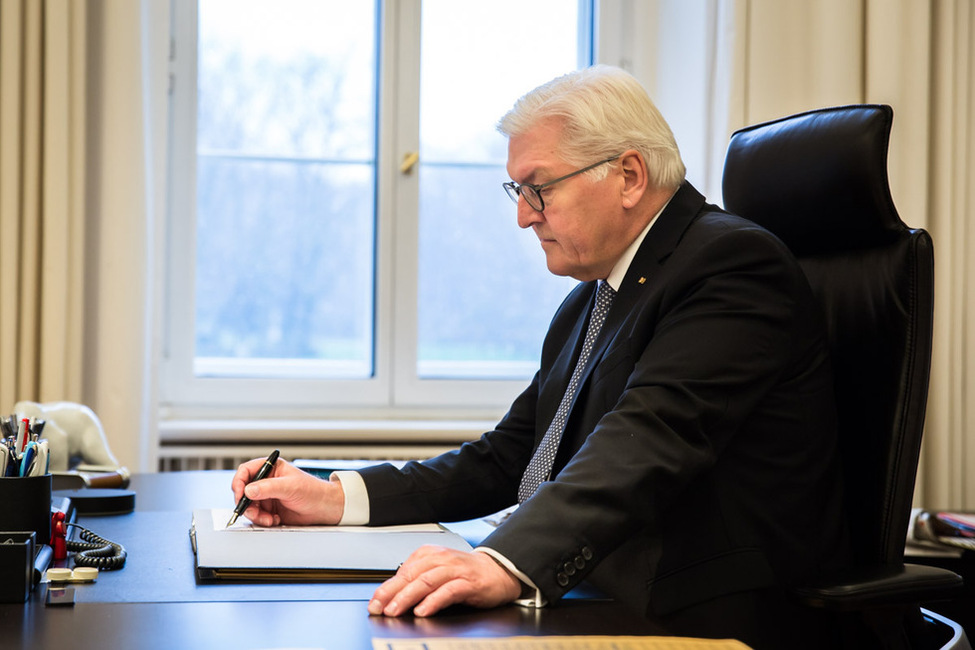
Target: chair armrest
(865, 587)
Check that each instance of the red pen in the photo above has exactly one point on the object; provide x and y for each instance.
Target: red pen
(23, 434)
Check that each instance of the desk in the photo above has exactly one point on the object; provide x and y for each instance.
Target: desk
(155, 601)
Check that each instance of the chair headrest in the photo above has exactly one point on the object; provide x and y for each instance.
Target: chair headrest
(818, 179)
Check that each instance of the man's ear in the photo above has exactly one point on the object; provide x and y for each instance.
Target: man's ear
(635, 178)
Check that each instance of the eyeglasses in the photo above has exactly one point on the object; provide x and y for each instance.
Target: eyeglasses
(533, 193)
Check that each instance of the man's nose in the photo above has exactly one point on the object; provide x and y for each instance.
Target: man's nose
(527, 215)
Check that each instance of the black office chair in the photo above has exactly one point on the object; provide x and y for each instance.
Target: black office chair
(818, 180)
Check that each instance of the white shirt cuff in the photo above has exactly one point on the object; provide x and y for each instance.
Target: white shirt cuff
(356, 511)
(538, 600)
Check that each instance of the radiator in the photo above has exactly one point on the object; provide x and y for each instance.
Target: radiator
(174, 458)
(223, 444)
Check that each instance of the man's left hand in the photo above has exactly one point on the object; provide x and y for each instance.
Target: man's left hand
(433, 578)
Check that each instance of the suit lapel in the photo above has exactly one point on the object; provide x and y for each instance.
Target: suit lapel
(659, 243)
(642, 275)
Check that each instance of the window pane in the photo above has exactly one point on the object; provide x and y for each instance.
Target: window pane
(286, 188)
(485, 294)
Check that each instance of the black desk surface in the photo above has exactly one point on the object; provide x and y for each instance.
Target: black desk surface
(155, 601)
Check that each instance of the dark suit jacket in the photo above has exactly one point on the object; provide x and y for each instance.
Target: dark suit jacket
(698, 459)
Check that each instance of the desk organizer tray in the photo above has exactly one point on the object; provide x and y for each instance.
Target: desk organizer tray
(16, 565)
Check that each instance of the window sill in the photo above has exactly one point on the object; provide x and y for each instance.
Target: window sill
(323, 431)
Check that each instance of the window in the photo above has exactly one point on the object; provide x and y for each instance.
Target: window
(339, 237)
(285, 189)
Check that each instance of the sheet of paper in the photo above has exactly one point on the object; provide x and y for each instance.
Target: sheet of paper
(221, 516)
(559, 643)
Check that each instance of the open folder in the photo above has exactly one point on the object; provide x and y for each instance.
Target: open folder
(306, 553)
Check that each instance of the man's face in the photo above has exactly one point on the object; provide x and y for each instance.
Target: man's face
(583, 228)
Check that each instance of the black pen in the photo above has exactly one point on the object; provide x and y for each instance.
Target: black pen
(261, 474)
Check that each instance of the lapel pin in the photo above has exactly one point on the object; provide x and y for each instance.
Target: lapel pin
(642, 280)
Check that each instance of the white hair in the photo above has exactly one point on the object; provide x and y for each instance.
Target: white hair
(603, 111)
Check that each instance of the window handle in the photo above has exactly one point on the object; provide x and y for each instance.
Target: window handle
(409, 161)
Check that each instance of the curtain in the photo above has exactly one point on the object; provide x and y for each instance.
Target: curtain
(80, 89)
(950, 450)
(791, 56)
(127, 85)
(42, 177)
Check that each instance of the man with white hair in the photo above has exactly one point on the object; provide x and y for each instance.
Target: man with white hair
(677, 447)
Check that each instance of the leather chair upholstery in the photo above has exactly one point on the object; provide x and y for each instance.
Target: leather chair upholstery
(818, 180)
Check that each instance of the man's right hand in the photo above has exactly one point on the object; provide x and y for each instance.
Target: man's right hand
(288, 495)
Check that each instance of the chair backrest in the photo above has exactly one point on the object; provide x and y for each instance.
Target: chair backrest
(818, 180)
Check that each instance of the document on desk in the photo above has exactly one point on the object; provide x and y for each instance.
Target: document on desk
(559, 643)
(306, 553)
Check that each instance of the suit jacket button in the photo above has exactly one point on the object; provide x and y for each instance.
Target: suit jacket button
(569, 568)
(586, 552)
(580, 562)
(562, 579)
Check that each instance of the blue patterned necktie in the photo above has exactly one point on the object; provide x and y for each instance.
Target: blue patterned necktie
(541, 462)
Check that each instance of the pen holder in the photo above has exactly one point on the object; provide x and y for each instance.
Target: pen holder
(26, 505)
(16, 566)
